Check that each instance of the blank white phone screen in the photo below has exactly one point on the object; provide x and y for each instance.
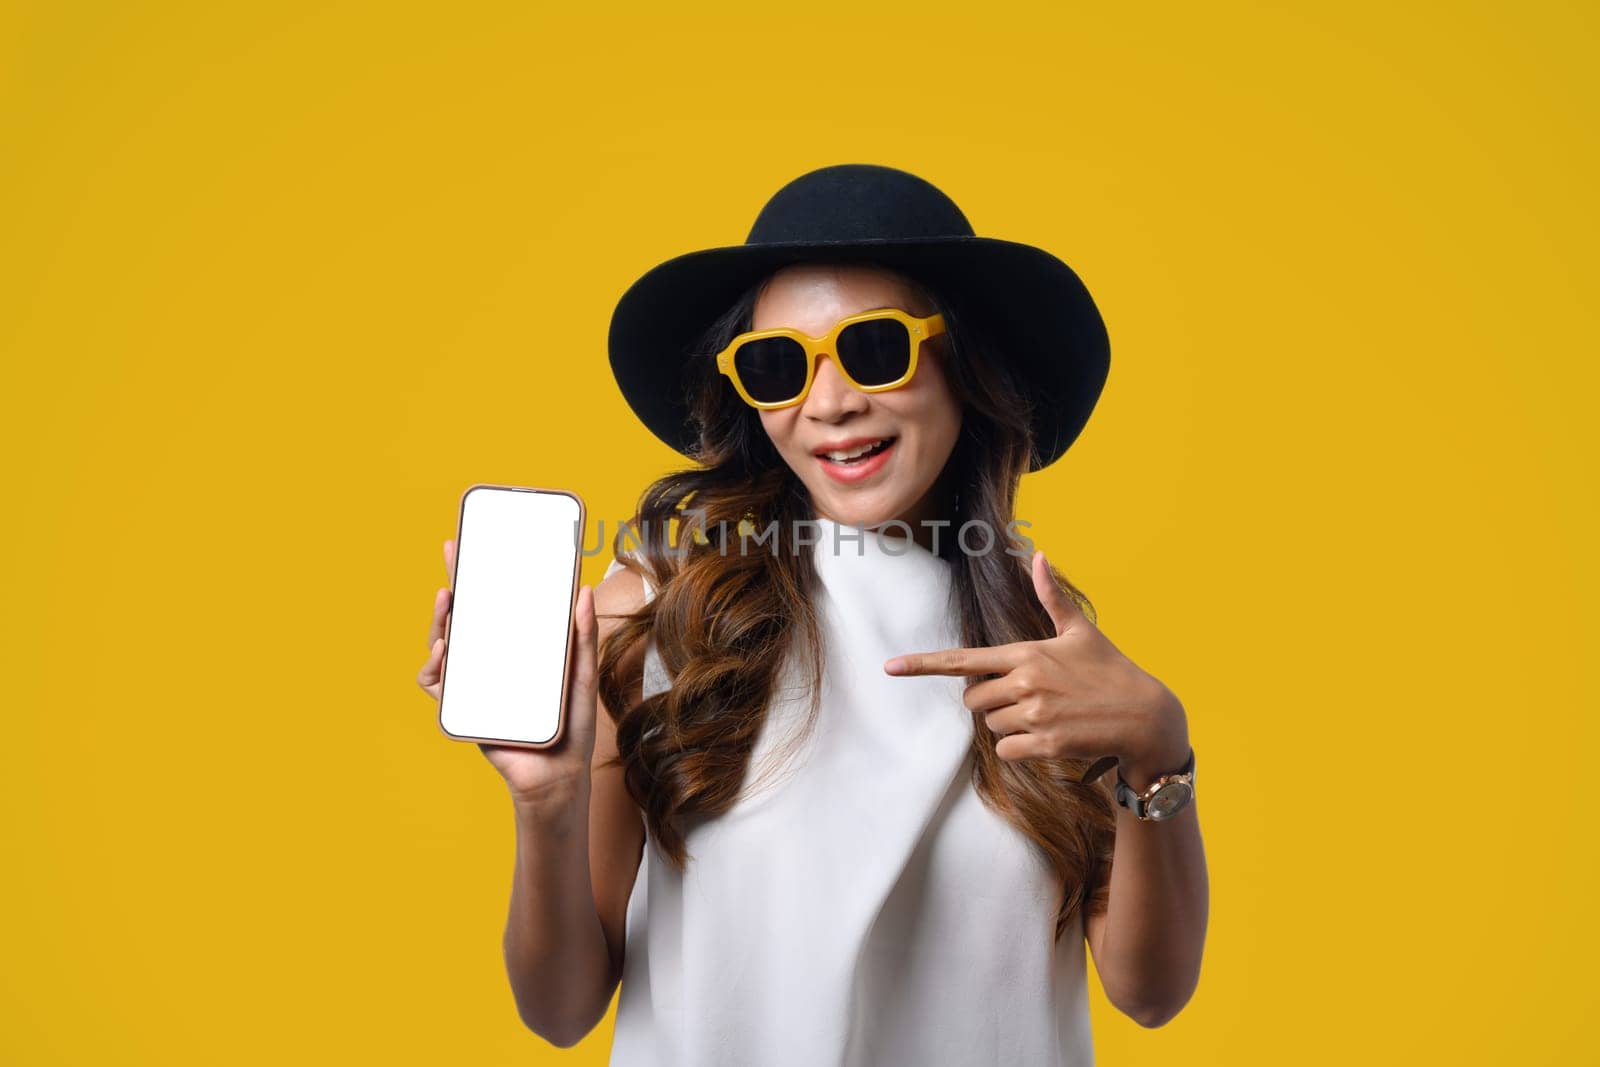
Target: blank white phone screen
(510, 615)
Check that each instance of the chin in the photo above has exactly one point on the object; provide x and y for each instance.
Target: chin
(864, 511)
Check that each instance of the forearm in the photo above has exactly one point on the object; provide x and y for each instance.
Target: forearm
(555, 947)
(1155, 923)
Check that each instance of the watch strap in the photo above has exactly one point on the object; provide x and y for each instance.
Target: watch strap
(1134, 801)
(1098, 768)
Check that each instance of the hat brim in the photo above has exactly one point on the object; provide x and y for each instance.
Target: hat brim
(1038, 309)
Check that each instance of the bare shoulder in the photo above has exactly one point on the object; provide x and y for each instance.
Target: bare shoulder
(620, 592)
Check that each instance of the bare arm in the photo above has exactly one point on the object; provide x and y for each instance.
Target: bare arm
(1148, 942)
(1077, 695)
(578, 848)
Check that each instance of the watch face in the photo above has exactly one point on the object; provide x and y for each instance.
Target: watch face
(1169, 800)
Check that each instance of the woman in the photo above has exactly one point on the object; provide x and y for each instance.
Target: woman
(862, 725)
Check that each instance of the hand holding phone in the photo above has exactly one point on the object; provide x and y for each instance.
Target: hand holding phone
(520, 679)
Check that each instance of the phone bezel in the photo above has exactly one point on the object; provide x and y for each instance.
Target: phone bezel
(572, 605)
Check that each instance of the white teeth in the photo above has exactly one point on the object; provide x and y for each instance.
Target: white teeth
(840, 457)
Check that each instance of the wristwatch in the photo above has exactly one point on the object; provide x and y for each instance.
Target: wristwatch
(1165, 797)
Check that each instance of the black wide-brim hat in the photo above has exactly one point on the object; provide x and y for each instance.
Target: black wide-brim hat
(1033, 304)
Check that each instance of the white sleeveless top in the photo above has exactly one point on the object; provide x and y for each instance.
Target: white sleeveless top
(859, 904)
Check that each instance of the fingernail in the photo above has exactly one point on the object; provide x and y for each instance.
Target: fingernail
(895, 666)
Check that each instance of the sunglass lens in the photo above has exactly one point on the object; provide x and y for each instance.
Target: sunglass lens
(875, 352)
(772, 369)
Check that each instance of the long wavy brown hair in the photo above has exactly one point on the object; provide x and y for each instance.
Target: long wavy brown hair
(725, 620)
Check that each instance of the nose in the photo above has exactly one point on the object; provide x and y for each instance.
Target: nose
(832, 397)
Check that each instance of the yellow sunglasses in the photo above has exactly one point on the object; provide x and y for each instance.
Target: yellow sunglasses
(874, 350)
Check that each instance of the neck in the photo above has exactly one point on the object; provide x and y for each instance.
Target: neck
(936, 504)
(939, 502)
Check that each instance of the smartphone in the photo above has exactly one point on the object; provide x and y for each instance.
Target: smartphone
(509, 636)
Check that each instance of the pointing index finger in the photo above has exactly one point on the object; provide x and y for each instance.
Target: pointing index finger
(956, 661)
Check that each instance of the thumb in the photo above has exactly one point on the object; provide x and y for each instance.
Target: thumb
(581, 698)
(1062, 608)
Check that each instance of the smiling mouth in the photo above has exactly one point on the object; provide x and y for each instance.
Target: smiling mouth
(851, 456)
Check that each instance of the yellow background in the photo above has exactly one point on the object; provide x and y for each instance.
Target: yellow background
(278, 281)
